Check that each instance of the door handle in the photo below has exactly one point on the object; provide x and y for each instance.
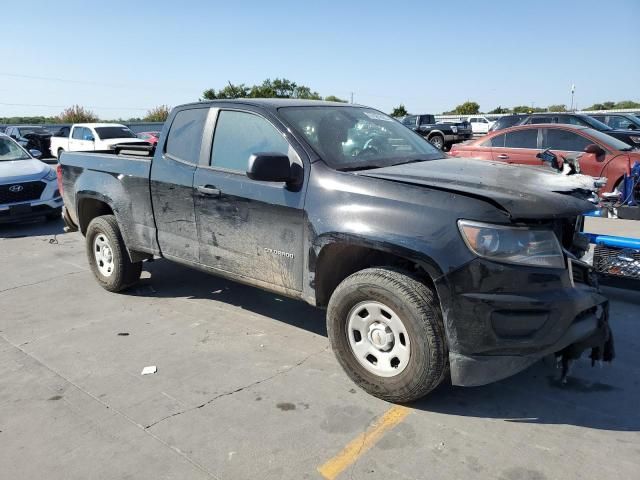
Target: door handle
(209, 190)
(503, 156)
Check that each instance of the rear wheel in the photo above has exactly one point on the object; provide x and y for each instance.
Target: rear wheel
(108, 256)
(386, 330)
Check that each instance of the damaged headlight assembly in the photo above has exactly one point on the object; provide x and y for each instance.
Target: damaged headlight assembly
(523, 246)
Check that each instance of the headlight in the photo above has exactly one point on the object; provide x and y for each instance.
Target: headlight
(454, 129)
(539, 248)
(51, 175)
(634, 138)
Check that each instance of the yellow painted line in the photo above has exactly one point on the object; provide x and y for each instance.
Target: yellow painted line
(363, 442)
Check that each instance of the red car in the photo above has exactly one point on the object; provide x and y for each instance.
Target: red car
(603, 156)
(151, 137)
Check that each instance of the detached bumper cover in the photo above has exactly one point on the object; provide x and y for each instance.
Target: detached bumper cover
(500, 319)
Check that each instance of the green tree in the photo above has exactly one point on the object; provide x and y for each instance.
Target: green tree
(499, 109)
(77, 114)
(229, 91)
(557, 108)
(399, 111)
(627, 104)
(333, 98)
(157, 114)
(467, 108)
(527, 109)
(277, 88)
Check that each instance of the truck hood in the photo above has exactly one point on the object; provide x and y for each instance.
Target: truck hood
(14, 171)
(523, 192)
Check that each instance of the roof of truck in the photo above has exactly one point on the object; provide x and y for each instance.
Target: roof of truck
(276, 102)
(97, 125)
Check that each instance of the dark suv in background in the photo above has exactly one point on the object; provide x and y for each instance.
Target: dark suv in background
(627, 136)
(619, 121)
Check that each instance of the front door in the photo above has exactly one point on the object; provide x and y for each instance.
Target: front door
(248, 228)
(566, 142)
(81, 140)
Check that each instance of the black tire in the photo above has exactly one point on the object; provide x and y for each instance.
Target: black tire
(60, 150)
(416, 304)
(437, 141)
(124, 273)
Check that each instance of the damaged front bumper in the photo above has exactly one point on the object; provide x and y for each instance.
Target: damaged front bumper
(502, 318)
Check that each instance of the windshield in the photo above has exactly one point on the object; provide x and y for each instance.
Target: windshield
(38, 130)
(350, 138)
(10, 150)
(597, 124)
(107, 133)
(610, 141)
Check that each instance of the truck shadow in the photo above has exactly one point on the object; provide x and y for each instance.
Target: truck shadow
(170, 280)
(593, 397)
(32, 228)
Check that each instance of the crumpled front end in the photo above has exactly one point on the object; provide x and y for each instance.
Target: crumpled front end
(502, 318)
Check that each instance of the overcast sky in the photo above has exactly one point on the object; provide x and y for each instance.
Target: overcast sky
(121, 58)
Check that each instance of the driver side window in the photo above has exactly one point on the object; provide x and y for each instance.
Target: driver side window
(238, 135)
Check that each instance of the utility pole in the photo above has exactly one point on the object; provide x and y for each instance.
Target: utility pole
(573, 91)
(351, 97)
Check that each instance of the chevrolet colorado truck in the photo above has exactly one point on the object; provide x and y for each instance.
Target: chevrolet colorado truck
(440, 135)
(428, 266)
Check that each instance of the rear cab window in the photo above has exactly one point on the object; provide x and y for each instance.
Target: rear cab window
(184, 140)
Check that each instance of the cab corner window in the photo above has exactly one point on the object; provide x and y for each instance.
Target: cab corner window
(238, 135)
(185, 136)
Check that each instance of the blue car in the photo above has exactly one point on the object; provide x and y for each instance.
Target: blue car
(28, 186)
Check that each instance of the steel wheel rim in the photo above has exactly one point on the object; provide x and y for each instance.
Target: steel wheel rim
(436, 142)
(103, 254)
(378, 339)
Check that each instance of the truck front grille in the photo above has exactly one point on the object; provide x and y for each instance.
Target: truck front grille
(617, 261)
(21, 192)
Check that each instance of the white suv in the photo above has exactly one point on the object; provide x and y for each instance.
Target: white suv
(28, 187)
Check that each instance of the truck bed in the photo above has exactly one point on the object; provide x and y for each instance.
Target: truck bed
(109, 178)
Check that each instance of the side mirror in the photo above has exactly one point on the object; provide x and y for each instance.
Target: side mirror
(596, 150)
(273, 167)
(35, 153)
(90, 138)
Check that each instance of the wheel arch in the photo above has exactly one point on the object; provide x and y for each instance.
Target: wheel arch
(336, 259)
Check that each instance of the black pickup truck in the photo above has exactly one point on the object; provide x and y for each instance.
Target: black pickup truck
(440, 135)
(427, 265)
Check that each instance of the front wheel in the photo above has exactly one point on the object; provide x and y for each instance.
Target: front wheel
(108, 256)
(386, 329)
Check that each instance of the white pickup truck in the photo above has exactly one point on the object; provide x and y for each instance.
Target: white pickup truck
(87, 137)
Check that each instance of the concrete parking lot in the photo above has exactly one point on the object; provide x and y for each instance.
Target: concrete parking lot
(247, 387)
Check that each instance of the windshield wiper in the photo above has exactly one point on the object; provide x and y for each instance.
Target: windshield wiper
(358, 167)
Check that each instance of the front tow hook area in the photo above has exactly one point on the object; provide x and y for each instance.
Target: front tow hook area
(600, 341)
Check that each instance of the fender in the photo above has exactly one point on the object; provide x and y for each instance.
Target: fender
(110, 191)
